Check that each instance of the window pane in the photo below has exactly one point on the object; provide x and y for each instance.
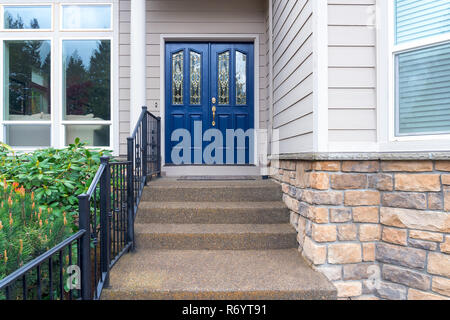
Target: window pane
(28, 135)
(87, 80)
(416, 19)
(86, 17)
(224, 78)
(423, 90)
(93, 135)
(27, 68)
(28, 17)
(177, 78)
(196, 78)
(241, 78)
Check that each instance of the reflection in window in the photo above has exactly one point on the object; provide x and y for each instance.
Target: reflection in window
(93, 135)
(28, 135)
(93, 17)
(195, 78)
(177, 78)
(27, 69)
(224, 78)
(27, 17)
(241, 78)
(87, 79)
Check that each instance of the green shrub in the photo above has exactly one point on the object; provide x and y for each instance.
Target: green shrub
(56, 176)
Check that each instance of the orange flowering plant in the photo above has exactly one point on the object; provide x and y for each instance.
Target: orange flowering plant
(27, 229)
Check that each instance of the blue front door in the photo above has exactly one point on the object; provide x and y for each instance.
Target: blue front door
(209, 97)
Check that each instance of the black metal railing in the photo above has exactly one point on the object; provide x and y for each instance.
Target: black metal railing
(144, 152)
(79, 267)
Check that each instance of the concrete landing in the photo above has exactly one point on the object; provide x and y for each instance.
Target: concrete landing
(210, 274)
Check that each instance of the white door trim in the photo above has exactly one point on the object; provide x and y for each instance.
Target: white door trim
(213, 170)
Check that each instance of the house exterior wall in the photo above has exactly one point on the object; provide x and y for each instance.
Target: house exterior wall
(292, 76)
(188, 17)
(352, 72)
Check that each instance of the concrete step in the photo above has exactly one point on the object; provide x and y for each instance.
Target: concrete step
(174, 190)
(215, 236)
(213, 212)
(220, 275)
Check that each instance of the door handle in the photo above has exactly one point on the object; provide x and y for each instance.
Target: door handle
(214, 116)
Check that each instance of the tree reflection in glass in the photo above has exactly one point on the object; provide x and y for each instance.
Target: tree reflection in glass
(87, 80)
(27, 77)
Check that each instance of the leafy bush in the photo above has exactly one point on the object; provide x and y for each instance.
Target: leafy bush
(26, 229)
(56, 176)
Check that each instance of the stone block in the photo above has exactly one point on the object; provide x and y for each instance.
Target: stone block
(406, 277)
(407, 166)
(340, 215)
(395, 236)
(439, 264)
(348, 181)
(344, 253)
(416, 219)
(408, 200)
(360, 166)
(366, 214)
(401, 256)
(362, 198)
(417, 182)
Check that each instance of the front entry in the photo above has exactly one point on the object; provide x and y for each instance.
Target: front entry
(209, 109)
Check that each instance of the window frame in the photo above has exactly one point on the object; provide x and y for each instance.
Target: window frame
(3, 122)
(86, 4)
(63, 123)
(394, 49)
(30, 4)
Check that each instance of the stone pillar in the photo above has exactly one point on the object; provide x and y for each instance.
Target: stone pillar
(137, 61)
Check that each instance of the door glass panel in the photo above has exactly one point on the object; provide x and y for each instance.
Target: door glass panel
(28, 17)
(241, 78)
(177, 78)
(224, 78)
(27, 65)
(77, 17)
(87, 80)
(196, 78)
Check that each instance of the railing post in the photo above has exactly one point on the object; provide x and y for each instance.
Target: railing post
(158, 144)
(85, 244)
(105, 216)
(144, 146)
(130, 191)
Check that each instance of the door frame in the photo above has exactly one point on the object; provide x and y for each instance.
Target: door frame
(253, 38)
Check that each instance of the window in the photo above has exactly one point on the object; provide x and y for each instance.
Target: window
(27, 17)
(91, 17)
(57, 81)
(421, 65)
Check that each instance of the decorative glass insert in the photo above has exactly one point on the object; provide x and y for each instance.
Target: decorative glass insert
(417, 19)
(177, 77)
(241, 78)
(27, 85)
(93, 17)
(423, 91)
(196, 78)
(224, 78)
(87, 80)
(27, 17)
(97, 135)
(25, 135)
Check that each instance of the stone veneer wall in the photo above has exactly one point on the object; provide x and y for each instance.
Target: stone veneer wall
(376, 229)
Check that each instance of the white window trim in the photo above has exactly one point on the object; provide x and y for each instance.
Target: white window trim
(56, 35)
(61, 5)
(30, 4)
(386, 106)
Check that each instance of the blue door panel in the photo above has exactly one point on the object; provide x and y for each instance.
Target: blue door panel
(237, 113)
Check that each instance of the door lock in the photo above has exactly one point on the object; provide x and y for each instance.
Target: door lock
(213, 100)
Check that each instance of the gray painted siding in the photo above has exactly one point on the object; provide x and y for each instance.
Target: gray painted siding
(293, 75)
(188, 17)
(352, 71)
